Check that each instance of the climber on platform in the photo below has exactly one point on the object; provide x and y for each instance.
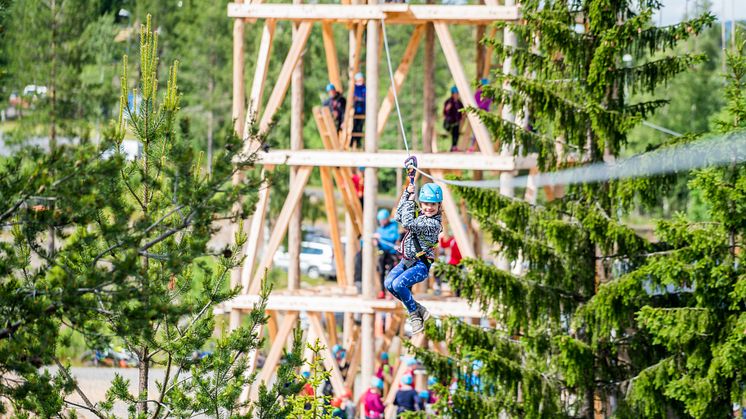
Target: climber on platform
(336, 103)
(420, 237)
(452, 117)
(358, 103)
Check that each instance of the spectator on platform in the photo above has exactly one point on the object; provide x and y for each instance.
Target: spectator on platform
(454, 257)
(483, 103)
(406, 399)
(358, 103)
(452, 117)
(372, 401)
(358, 182)
(336, 103)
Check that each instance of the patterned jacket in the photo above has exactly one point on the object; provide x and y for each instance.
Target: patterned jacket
(426, 228)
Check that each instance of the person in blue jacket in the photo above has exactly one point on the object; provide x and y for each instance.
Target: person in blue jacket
(386, 235)
(358, 101)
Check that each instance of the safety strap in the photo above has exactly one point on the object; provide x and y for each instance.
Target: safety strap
(421, 254)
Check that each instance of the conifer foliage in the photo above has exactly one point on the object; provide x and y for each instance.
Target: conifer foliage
(134, 269)
(551, 355)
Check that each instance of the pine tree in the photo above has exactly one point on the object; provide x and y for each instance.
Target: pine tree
(543, 359)
(694, 314)
(133, 268)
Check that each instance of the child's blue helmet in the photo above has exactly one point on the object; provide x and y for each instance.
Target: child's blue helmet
(432, 381)
(306, 374)
(383, 214)
(407, 380)
(384, 355)
(330, 87)
(424, 395)
(454, 89)
(359, 76)
(431, 192)
(484, 81)
(376, 382)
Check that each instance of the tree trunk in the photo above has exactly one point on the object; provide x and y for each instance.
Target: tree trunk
(210, 122)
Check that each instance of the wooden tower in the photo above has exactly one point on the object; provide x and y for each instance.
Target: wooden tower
(336, 161)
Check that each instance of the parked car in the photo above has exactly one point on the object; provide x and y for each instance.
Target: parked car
(316, 259)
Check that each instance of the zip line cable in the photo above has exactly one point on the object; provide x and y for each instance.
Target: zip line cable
(714, 151)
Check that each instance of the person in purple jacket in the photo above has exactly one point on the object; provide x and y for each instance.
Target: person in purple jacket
(371, 400)
(483, 103)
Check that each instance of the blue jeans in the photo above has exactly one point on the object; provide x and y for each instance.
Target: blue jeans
(401, 279)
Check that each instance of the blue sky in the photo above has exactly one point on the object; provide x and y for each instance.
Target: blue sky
(673, 10)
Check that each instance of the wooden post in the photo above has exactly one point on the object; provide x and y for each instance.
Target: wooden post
(428, 100)
(256, 232)
(371, 192)
(295, 233)
(275, 352)
(260, 72)
(506, 178)
(238, 120)
(239, 95)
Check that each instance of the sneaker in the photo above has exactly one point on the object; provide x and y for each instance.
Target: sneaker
(415, 320)
(422, 311)
(454, 148)
(381, 295)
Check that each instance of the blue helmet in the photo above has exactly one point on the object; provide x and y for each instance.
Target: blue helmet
(359, 76)
(376, 382)
(454, 89)
(407, 380)
(383, 214)
(484, 81)
(432, 381)
(330, 87)
(431, 192)
(338, 351)
(411, 361)
(424, 395)
(384, 355)
(306, 374)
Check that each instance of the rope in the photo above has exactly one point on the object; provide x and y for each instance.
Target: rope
(393, 85)
(490, 184)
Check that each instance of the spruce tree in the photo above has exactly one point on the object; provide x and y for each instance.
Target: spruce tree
(133, 268)
(689, 297)
(543, 359)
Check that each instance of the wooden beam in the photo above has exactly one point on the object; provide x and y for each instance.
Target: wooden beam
(330, 50)
(464, 87)
(451, 209)
(331, 327)
(281, 226)
(456, 307)
(260, 73)
(329, 362)
(399, 76)
(394, 159)
(331, 217)
(275, 352)
(256, 230)
(354, 366)
(392, 13)
(283, 79)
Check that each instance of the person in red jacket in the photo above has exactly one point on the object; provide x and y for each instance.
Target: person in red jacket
(454, 257)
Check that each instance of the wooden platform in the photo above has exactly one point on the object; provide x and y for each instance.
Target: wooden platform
(348, 303)
(391, 13)
(394, 159)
